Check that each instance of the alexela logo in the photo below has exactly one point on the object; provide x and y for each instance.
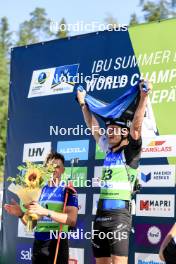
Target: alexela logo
(74, 149)
(24, 253)
(159, 146)
(155, 205)
(154, 235)
(36, 151)
(157, 175)
(147, 258)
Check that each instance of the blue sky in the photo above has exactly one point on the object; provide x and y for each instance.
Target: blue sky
(72, 10)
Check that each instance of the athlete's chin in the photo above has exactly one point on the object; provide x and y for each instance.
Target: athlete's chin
(113, 141)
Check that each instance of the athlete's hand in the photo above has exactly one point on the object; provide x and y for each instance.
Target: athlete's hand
(81, 96)
(13, 208)
(148, 86)
(35, 208)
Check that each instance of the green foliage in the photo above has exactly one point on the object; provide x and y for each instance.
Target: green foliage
(62, 32)
(5, 42)
(134, 20)
(36, 29)
(155, 10)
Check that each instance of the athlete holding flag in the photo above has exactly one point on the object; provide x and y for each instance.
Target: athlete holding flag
(122, 145)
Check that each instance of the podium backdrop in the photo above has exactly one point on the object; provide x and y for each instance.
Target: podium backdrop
(42, 107)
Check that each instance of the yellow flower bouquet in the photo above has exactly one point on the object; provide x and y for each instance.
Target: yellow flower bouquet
(27, 185)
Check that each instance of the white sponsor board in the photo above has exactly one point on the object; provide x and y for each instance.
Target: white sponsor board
(53, 81)
(159, 146)
(76, 256)
(82, 203)
(34, 152)
(41, 82)
(97, 176)
(157, 175)
(147, 258)
(22, 231)
(95, 203)
(155, 205)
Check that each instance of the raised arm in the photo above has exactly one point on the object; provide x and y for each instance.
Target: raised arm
(136, 126)
(89, 118)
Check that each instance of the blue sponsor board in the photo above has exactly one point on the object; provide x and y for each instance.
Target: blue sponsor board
(74, 149)
(24, 253)
(65, 74)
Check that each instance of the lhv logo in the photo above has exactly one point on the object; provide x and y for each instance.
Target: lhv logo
(36, 151)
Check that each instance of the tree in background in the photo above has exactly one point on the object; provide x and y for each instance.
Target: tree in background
(110, 20)
(134, 20)
(5, 43)
(155, 10)
(62, 31)
(36, 29)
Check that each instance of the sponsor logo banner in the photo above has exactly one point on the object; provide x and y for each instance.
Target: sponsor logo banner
(52, 81)
(22, 231)
(99, 154)
(159, 146)
(76, 256)
(147, 258)
(82, 203)
(77, 233)
(151, 235)
(74, 149)
(95, 203)
(157, 175)
(155, 205)
(34, 152)
(24, 253)
(78, 178)
(97, 176)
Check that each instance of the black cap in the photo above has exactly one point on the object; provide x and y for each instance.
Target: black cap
(118, 122)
